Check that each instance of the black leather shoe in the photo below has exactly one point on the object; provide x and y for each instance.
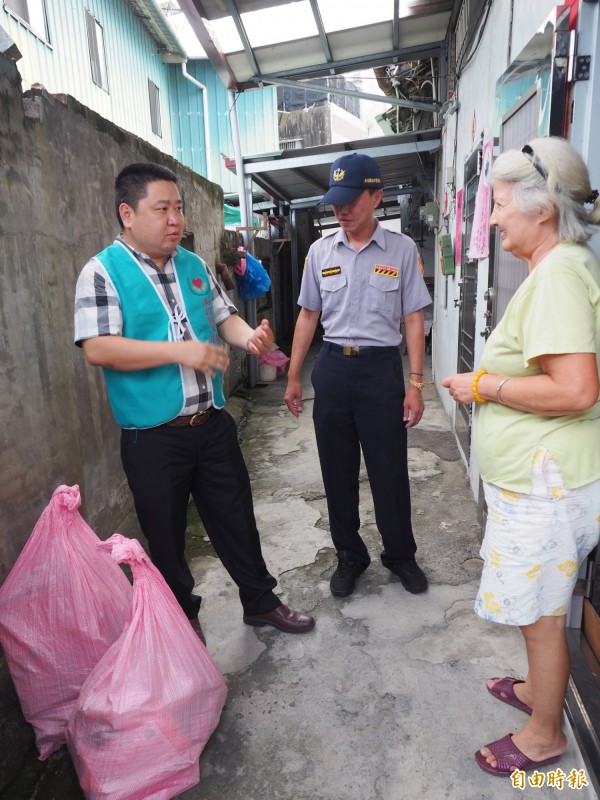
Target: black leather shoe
(411, 576)
(284, 619)
(344, 578)
(195, 623)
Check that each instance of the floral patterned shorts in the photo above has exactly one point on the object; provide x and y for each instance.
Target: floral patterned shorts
(534, 544)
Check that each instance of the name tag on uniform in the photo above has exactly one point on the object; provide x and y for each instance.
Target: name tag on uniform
(391, 272)
(330, 271)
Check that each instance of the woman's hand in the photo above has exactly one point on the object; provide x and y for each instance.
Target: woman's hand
(460, 386)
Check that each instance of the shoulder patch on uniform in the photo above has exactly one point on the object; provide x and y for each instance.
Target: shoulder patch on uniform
(391, 272)
(330, 271)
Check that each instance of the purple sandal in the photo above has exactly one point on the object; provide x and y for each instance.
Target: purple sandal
(505, 686)
(509, 758)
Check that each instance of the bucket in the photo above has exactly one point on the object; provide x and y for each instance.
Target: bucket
(267, 373)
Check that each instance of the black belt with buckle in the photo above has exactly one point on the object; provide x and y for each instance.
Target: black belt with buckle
(356, 350)
(191, 420)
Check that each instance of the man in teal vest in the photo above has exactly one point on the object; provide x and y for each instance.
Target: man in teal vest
(152, 315)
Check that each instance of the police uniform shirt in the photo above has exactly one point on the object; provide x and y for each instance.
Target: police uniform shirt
(363, 295)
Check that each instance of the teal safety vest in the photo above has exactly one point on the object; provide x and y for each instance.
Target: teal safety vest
(149, 397)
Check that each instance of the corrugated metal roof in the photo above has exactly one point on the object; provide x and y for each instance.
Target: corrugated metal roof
(301, 177)
(413, 29)
(328, 37)
(157, 26)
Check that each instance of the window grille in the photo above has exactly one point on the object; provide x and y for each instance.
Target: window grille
(290, 144)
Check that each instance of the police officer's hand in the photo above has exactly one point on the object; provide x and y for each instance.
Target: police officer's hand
(261, 341)
(413, 407)
(293, 396)
(202, 356)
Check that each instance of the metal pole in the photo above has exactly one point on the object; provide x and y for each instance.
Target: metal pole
(204, 91)
(243, 184)
(295, 275)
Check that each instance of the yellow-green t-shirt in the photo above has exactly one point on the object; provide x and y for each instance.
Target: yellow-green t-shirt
(555, 310)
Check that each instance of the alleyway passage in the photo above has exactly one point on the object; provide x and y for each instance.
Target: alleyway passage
(386, 698)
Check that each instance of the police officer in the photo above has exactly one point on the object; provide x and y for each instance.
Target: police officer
(362, 282)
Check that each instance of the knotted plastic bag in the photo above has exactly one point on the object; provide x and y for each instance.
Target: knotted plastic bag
(146, 712)
(61, 607)
(254, 281)
(275, 358)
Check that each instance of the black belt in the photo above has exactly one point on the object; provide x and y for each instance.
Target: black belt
(191, 420)
(356, 350)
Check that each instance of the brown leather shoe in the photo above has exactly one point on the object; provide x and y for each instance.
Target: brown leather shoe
(284, 619)
(195, 623)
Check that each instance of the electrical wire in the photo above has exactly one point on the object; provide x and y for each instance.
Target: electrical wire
(473, 48)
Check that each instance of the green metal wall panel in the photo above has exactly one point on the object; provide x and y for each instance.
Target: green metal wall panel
(257, 117)
(62, 65)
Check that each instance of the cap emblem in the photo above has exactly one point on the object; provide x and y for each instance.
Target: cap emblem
(338, 175)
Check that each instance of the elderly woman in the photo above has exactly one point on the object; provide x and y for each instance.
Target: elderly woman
(537, 434)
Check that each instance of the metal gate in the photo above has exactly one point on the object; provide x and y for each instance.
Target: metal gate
(468, 297)
(519, 125)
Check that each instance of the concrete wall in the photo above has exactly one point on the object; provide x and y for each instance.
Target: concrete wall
(57, 166)
(312, 125)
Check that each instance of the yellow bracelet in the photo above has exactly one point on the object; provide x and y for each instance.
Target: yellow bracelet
(417, 384)
(477, 397)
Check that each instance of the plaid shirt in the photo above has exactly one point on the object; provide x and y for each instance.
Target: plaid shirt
(98, 313)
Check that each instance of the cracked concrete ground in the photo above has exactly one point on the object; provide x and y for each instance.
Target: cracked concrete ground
(386, 698)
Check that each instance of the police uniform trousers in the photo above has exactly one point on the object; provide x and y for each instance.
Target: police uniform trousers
(164, 466)
(359, 405)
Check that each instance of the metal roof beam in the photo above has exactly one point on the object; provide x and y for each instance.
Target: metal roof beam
(217, 57)
(307, 202)
(396, 25)
(313, 181)
(299, 162)
(315, 87)
(395, 56)
(152, 18)
(237, 21)
(271, 188)
(320, 27)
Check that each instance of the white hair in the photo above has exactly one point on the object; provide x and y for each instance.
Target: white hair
(550, 175)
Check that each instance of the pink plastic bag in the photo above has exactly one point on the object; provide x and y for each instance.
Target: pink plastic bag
(61, 607)
(276, 359)
(146, 712)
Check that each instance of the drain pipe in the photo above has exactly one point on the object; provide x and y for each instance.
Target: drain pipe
(204, 90)
(250, 305)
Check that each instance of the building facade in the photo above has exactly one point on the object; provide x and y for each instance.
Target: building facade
(121, 59)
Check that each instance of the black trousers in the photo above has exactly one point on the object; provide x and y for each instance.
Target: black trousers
(359, 404)
(164, 466)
